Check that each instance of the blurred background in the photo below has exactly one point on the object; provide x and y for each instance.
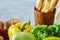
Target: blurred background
(21, 9)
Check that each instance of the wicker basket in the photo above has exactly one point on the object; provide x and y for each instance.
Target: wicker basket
(44, 18)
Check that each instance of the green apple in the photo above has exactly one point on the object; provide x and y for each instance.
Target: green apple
(22, 36)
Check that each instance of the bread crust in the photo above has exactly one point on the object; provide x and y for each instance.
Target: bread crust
(45, 6)
(39, 4)
(53, 5)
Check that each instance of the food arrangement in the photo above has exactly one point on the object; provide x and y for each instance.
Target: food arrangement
(44, 12)
(44, 30)
(19, 27)
(24, 31)
(9, 28)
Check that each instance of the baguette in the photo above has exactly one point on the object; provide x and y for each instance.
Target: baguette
(53, 5)
(39, 4)
(46, 5)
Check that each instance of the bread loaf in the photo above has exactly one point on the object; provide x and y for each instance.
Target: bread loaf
(45, 6)
(39, 4)
(53, 5)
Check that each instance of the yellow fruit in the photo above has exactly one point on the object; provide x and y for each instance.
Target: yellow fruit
(15, 29)
(12, 30)
(12, 26)
(28, 28)
(18, 24)
(52, 38)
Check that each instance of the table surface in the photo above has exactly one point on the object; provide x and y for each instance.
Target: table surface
(21, 9)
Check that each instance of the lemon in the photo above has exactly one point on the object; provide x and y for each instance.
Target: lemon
(18, 24)
(52, 38)
(28, 28)
(12, 30)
